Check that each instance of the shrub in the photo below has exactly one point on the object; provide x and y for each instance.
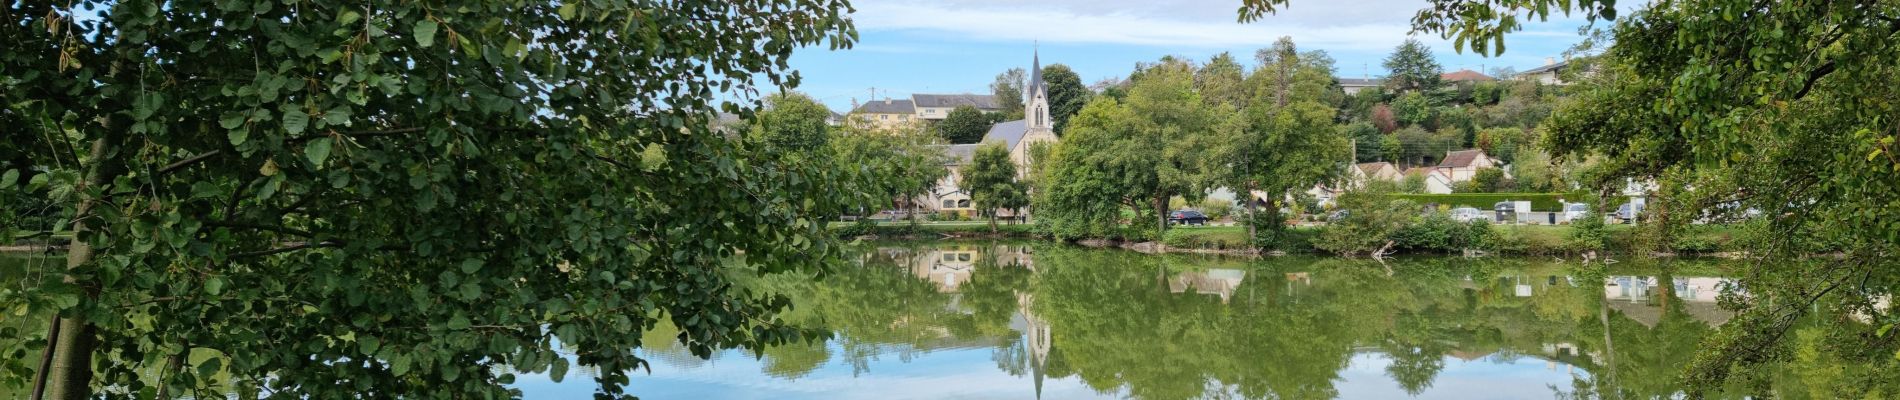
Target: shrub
(1438, 232)
(1504, 240)
(1374, 216)
(1216, 208)
(1587, 233)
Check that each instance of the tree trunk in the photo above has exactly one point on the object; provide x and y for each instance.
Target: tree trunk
(992, 221)
(1161, 216)
(1252, 234)
(69, 377)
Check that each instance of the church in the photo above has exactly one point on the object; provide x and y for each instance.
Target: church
(1036, 127)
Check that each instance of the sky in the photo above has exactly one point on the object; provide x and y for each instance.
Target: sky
(958, 46)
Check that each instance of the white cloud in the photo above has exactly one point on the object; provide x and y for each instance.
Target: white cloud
(1333, 25)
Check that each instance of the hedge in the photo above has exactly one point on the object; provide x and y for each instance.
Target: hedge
(1543, 202)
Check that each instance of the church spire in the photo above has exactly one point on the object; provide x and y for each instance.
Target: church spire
(1035, 69)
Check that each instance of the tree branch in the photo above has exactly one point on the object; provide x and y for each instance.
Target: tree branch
(261, 227)
(187, 162)
(286, 249)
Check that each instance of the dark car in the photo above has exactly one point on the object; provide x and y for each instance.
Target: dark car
(1187, 217)
(1506, 211)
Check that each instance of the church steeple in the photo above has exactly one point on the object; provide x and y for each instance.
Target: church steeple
(1036, 110)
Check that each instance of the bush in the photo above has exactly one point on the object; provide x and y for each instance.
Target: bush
(1587, 233)
(1374, 216)
(1438, 232)
(1504, 240)
(1216, 208)
(1485, 201)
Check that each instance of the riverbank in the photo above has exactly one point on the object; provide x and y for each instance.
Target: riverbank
(1232, 239)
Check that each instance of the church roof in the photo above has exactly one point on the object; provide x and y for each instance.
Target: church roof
(980, 101)
(1035, 73)
(1009, 132)
(959, 154)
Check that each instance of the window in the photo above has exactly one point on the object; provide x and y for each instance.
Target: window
(949, 203)
(883, 117)
(963, 204)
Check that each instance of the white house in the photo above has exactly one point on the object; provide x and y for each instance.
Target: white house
(936, 107)
(1352, 86)
(1436, 182)
(1462, 165)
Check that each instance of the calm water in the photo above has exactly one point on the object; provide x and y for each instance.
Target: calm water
(1014, 321)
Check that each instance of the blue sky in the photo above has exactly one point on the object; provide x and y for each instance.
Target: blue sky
(958, 46)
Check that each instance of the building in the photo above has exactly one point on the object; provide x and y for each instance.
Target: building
(1381, 171)
(1462, 165)
(1465, 76)
(935, 107)
(886, 114)
(1549, 74)
(1435, 180)
(1018, 136)
(1352, 86)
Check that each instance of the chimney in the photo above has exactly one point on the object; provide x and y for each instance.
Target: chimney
(1550, 60)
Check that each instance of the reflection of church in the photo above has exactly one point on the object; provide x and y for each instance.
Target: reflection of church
(1035, 335)
(948, 267)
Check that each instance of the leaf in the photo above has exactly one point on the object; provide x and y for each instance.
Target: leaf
(558, 370)
(567, 11)
(269, 168)
(469, 266)
(425, 32)
(295, 120)
(369, 345)
(399, 364)
(318, 150)
(214, 286)
(347, 17)
(458, 322)
(9, 178)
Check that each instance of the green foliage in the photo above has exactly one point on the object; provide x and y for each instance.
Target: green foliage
(1217, 208)
(1413, 183)
(1286, 139)
(1414, 108)
(1373, 216)
(792, 123)
(1009, 88)
(897, 164)
(394, 201)
(991, 180)
(1587, 233)
(1411, 68)
(1066, 93)
(1222, 82)
(1485, 201)
(1091, 172)
(1490, 180)
(1436, 231)
(964, 125)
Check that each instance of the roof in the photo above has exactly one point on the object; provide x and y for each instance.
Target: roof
(1426, 171)
(1035, 72)
(1373, 167)
(1552, 67)
(1465, 75)
(980, 101)
(1461, 158)
(959, 154)
(1357, 82)
(887, 106)
(1009, 132)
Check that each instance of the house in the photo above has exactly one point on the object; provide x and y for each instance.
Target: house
(1018, 136)
(1352, 86)
(935, 107)
(886, 114)
(1465, 76)
(1218, 282)
(1462, 165)
(1435, 180)
(1549, 74)
(1382, 171)
(947, 267)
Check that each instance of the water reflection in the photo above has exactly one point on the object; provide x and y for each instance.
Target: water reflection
(1004, 320)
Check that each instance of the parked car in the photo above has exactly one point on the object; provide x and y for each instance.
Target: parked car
(1187, 217)
(1627, 213)
(1507, 211)
(1466, 214)
(1573, 211)
(1338, 216)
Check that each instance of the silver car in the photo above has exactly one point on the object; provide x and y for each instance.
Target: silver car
(1466, 214)
(1573, 211)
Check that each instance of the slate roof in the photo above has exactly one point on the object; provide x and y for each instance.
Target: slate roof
(959, 154)
(1010, 132)
(887, 106)
(1465, 75)
(980, 101)
(1035, 72)
(1546, 68)
(1373, 167)
(1461, 158)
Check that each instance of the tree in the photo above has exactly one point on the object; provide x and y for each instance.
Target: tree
(1092, 172)
(1487, 180)
(1769, 101)
(1066, 95)
(964, 125)
(893, 166)
(1391, 149)
(1383, 119)
(1008, 89)
(1412, 68)
(991, 180)
(1286, 140)
(792, 124)
(394, 201)
(1414, 108)
(1222, 81)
